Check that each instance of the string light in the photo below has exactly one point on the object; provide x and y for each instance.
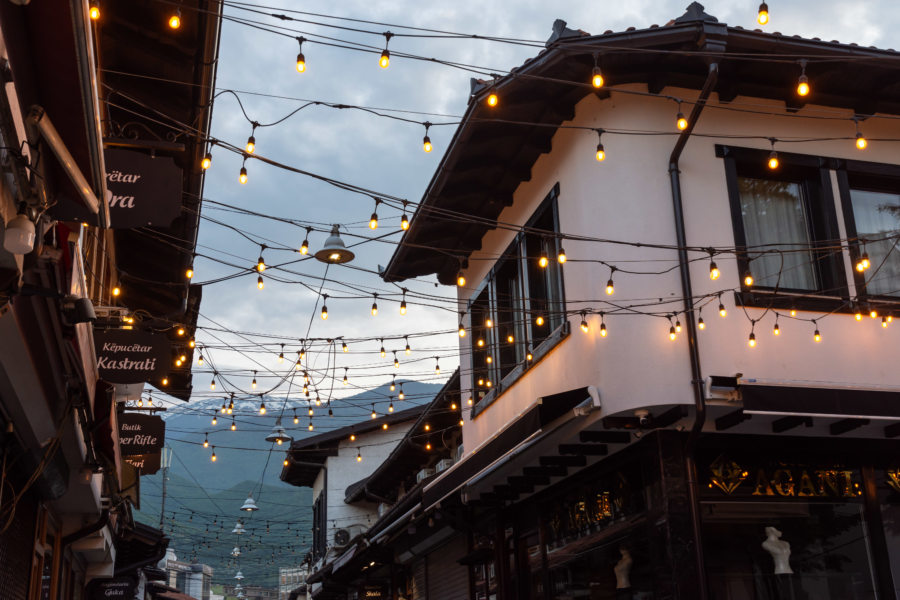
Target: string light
(884, 321)
(408, 350)
(213, 455)
(250, 147)
(762, 17)
(374, 304)
(873, 313)
(748, 278)
(374, 414)
(863, 263)
(561, 258)
(403, 303)
(215, 419)
(510, 338)
(253, 383)
(324, 307)
(396, 362)
(373, 220)
(861, 142)
(543, 261)
(180, 331)
(493, 99)
(206, 440)
(346, 381)
(401, 395)
(260, 284)
(358, 455)
(243, 176)
(601, 153)
(391, 406)
(677, 326)
(212, 383)
(140, 402)
(165, 381)
(281, 354)
(230, 408)
(428, 445)
(260, 263)
(803, 81)
(584, 325)
(404, 220)
(382, 351)
(285, 462)
(817, 337)
(488, 323)
(610, 287)
(393, 382)
(296, 418)
(94, 10)
(437, 367)
(596, 75)
(773, 156)
(858, 314)
(301, 60)
(681, 121)
(310, 426)
(385, 59)
(426, 141)
(224, 407)
(672, 333)
(206, 163)
(714, 272)
(175, 19)
(602, 326)
(751, 340)
(460, 279)
(352, 437)
(233, 424)
(116, 291)
(344, 347)
(304, 247)
(722, 312)
(701, 324)
(462, 327)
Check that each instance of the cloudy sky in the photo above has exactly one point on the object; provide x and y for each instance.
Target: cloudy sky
(383, 155)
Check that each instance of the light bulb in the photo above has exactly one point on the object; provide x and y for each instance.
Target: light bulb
(281, 357)
(714, 272)
(701, 324)
(180, 331)
(603, 331)
(403, 307)
(251, 144)
(597, 78)
(296, 419)
(215, 421)
(396, 363)
(492, 99)
(489, 323)
(200, 361)
(285, 462)
(610, 288)
(385, 59)
(165, 381)
(480, 343)
(352, 437)
(861, 142)
(243, 176)
(408, 350)
(677, 326)
(175, 19)
(601, 153)
(404, 222)
(260, 264)
(358, 456)
(426, 144)
(873, 313)
(884, 321)
(863, 263)
(722, 312)
(310, 427)
(401, 395)
(116, 291)
(748, 279)
(510, 338)
(672, 334)
(681, 122)
(189, 273)
(324, 312)
(301, 63)
(140, 402)
(762, 16)
(374, 308)
(213, 456)
(776, 330)
(94, 10)
(488, 359)
(858, 315)
(259, 282)
(793, 312)
(233, 426)
(382, 352)
(344, 346)
(428, 445)
(751, 341)
(773, 160)
(212, 384)
(253, 383)
(206, 162)
(561, 257)
(373, 221)
(391, 407)
(539, 320)
(817, 336)
(543, 261)
(803, 86)
(462, 330)
(584, 325)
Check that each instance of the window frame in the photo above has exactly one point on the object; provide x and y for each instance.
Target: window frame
(813, 174)
(881, 176)
(557, 320)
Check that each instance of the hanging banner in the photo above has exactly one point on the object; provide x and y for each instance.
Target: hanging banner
(141, 434)
(129, 356)
(143, 190)
(146, 464)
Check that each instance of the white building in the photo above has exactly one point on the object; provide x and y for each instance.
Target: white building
(290, 580)
(193, 579)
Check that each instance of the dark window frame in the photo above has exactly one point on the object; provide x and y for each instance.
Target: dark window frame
(557, 326)
(812, 173)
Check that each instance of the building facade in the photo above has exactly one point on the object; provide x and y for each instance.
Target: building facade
(292, 582)
(677, 371)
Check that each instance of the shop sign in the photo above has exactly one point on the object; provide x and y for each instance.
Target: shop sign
(141, 434)
(146, 464)
(143, 190)
(782, 480)
(893, 479)
(129, 356)
(373, 591)
(111, 588)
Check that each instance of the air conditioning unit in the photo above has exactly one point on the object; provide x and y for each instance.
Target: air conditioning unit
(345, 535)
(424, 474)
(443, 465)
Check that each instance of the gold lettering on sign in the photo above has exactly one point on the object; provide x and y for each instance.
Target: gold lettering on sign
(783, 481)
(806, 487)
(763, 485)
(727, 475)
(893, 479)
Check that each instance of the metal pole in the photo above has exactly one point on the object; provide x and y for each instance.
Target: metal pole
(165, 460)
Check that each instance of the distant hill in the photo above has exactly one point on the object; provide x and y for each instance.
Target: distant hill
(203, 498)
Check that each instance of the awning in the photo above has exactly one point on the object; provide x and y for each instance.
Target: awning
(820, 402)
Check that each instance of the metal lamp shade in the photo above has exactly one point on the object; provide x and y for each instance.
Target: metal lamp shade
(278, 433)
(334, 251)
(249, 504)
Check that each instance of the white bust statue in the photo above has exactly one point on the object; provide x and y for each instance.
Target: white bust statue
(780, 551)
(623, 570)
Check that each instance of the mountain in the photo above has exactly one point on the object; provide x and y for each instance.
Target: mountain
(203, 498)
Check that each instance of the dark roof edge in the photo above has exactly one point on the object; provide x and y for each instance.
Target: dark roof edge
(336, 435)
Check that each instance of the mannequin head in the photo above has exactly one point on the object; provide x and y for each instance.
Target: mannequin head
(624, 552)
(772, 532)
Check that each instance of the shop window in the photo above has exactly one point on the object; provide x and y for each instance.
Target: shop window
(784, 225)
(519, 307)
(320, 528)
(781, 550)
(889, 499)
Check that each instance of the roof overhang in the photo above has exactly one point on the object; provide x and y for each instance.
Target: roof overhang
(494, 149)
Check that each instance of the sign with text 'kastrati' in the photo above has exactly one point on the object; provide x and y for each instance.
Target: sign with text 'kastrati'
(129, 356)
(141, 434)
(144, 190)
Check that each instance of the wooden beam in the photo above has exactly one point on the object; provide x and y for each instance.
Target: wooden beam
(604, 437)
(892, 430)
(845, 425)
(563, 461)
(584, 449)
(732, 419)
(787, 423)
(545, 471)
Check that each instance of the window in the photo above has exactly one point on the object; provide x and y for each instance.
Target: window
(784, 225)
(518, 311)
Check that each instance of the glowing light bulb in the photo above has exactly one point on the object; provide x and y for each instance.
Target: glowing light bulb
(382, 352)
(492, 100)
(488, 359)
(165, 381)
(610, 288)
(762, 17)
(385, 59)
(426, 144)
(200, 361)
(681, 122)
(714, 272)
(489, 323)
(701, 324)
(116, 291)
(751, 341)
(175, 19)
(480, 343)
(253, 383)
(722, 312)
(344, 346)
(404, 222)
(212, 385)
(817, 336)
(539, 320)
(584, 325)
(259, 282)
(803, 86)
(861, 142)
(215, 421)
(776, 330)
(884, 321)
(94, 10)
(403, 307)
(262, 408)
(301, 63)
(773, 160)
(597, 78)
(858, 315)
(748, 279)
(251, 144)
(460, 279)
(561, 257)
(603, 331)
(873, 313)
(374, 308)
(285, 462)
(260, 264)
(672, 334)
(543, 261)
(206, 162)
(233, 426)
(324, 313)
(243, 176)
(601, 153)
(408, 350)
(462, 331)
(677, 326)
(863, 263)
(213, 456)
(352, 437)
(510, 338)
(373, 221)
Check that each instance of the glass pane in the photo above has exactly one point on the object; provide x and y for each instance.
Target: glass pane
(775, 218)
(889, 496)
(544, 290)
(762, 551)
(481, 344)
(877, 215)
(510, 331)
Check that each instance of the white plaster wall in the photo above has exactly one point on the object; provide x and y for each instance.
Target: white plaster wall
(344, 470)
(628, 197)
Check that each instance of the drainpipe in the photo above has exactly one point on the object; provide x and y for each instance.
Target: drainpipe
(688, 302)
(87, 530)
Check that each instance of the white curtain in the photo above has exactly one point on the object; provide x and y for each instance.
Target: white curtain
(877, 215)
